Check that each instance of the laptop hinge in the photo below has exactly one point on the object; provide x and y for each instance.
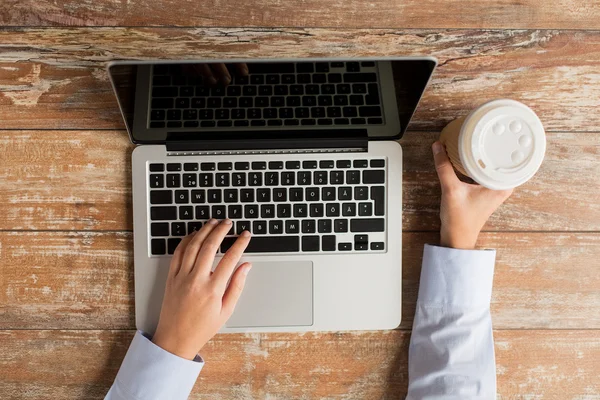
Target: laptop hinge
(267, 140)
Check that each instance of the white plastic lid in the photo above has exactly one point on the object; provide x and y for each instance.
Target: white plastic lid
(502, 144)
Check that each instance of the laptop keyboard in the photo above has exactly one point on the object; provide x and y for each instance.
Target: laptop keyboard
(274, 94)
(327, 206)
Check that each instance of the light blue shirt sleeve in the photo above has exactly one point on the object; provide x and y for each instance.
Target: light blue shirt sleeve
(151, 373)
(451, 354)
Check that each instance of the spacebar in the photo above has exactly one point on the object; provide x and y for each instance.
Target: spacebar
(266, 244)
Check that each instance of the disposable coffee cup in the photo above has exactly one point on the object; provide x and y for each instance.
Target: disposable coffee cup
(500, 144)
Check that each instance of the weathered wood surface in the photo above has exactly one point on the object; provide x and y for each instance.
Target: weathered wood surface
(573, 14)
(84, 280)
(55, 78)
(369, 365)
(80, 180)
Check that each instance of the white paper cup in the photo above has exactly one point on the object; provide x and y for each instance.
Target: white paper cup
(500, 144)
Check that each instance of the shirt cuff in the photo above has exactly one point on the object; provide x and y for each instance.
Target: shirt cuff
(150, 372)
(454, 277)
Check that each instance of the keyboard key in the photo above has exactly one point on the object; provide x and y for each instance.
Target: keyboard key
(157, 115)
(157, 181)
(336, 177)
(274, 122)
(361, 193)
(356, 100)
(257, 79)
(206, 180)
(344, 246)
(255, 178)
(280, 90)
(296, 194)
(288, 178)
(186, 212)
(327, 89)
(159, 229)
(334, 78)
(249, 90)
(343, 88)
(312, 194)
(245, 102)
(198, 196)
(267, 211)
(345, 193)
(202, 212)
(271, 178)
(288, 79)
(308, 122)
(288, 122)
(207, 166)
(308, 226)
(251, 211)
(276, 165)
(369, 111)
(257, 122)
(165, 92)
(267, 244)
(377, 246)
(259, 227)
(214, 195)
(378, 197)
(310, 243)
(172, 245)
(213, 102)
(234, 90)
(305, 67)
(240, 227)
(292, 164)
(231, 195)
(279, 194)
(328, 193)
(349, 209)
(247, 195)
(360, 163)
(205, 114)
(367, 225)
(157, 168)
(316, 210)
(173, 167)
(276, 227)
(263, 195)
(161, 197)
(328, 243)
(309, 164)
(304, 178)
(377, 163)
(325, 101)
(191, 124)
(259, 165)
(333, 209)
(182, 196)
(324, 226)
(178, 229)
(284, 210)
(292, 226)
(320, 178)
(234, 211)
(222, 179)
(361, 246)
(359, 88)
(189, 180)
(163, 213)
(373, 176)
(265, 90)
(194, 227)
(340, 225)
(190, 167)
(353, 177)
(262, 102)
(158, 247)
(162, 103)
(242, 166)
(375, 121)
(300, 210)
(173, 180)
(360, 77)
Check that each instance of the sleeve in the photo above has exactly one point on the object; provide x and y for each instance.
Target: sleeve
(451, 354)
(149, 372)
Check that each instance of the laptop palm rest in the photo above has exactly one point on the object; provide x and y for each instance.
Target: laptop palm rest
(276, 294)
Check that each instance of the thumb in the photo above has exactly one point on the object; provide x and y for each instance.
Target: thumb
(443, 167)
(235, 288)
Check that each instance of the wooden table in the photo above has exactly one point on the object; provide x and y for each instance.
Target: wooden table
(66, 275)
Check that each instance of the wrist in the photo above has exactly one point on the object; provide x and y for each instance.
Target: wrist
(458, 241)
(175, 347)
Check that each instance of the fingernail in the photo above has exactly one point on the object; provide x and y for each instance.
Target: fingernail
(226, 80)
(245, 234)
(437, 148)
(212, 221)
(227, 221)
(247, 269)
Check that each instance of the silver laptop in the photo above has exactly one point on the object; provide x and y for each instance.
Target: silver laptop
(300, 152)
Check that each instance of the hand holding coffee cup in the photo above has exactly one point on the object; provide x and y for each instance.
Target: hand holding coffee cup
(500, 145)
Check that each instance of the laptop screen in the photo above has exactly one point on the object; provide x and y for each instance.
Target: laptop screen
(378, 96)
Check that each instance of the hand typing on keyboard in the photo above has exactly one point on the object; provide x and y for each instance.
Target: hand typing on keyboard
(197, 301)
(216, 72)
(465, 207)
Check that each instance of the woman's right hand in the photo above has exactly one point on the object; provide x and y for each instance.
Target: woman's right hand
(465, 207)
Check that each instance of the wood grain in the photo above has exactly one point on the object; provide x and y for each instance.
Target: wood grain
(574, 14)
(55, 78)
(80, 180)
(366, 365)
(83, 280)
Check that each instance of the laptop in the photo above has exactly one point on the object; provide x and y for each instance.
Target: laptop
(302, 153)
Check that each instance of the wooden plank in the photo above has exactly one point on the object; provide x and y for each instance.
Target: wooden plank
(57, 74)
(79, 280)
(575, 14)
(365, 365)
(80, 180)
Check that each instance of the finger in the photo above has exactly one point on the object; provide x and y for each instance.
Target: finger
(195, 245)
(235, 289)
(178, 255)
(205, 71)
(443, 166)
(242, 69)
(231, 258)
(221, 73)
(208, 251)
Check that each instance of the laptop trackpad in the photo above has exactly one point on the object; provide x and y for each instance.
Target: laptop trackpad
(276, 294)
